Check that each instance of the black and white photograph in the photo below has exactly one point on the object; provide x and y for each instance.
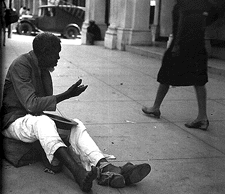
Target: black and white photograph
(112, 96)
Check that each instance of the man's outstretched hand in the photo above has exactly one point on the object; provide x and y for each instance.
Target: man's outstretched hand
(75, 90)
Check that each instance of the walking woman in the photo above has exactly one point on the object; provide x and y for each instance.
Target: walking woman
(185, 61)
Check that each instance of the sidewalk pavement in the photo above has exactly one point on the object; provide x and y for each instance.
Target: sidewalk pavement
(183, 160)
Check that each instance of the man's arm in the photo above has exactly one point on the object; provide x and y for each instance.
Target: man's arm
(22, 80)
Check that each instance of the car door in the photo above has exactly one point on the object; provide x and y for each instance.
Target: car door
(47, 20)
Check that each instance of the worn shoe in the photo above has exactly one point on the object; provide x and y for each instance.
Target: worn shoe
(155, 114)
(109, 178)
(135, 173)
(203, 125)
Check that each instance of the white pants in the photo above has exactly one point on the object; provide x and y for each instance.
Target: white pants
(31, 128)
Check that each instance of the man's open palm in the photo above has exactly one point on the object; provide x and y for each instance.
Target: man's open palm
(76, 89)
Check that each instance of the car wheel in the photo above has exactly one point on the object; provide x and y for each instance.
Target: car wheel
(24, 28)
(71, 32)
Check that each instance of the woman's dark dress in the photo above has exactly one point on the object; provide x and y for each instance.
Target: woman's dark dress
(188, 65)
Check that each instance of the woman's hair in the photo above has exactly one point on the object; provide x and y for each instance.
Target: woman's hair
(45, 42)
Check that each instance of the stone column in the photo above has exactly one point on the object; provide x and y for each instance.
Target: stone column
(99, 15)
(155, 25)
(165, 19)
(129, 24)
(86, 21)
(140, 33)
(95, 10)
(111, 33)
(125, 14)
(35, 9)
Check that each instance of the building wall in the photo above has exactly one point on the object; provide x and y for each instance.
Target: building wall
(31, 4)
(215, 31)
(165, 19)
(129, 18)
(128, 22)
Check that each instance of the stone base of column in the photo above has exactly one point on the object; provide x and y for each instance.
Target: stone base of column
(103, 28)
(84, 32)
(110, 38)
(155, 32)
(132, 37)
(123, 38)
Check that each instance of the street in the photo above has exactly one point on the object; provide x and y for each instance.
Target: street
(119, 83)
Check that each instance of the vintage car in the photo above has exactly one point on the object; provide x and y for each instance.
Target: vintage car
(64, 19)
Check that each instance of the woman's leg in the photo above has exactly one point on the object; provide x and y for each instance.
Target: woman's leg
(201, 99)
(201, 122)
(161, 93)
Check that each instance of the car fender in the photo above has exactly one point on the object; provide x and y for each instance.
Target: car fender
(34, 27)
(72, 25)
(26, 21)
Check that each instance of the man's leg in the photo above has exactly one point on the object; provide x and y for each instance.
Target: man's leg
(31, 128)
(90, 154)
(84, 146)
(88, 151)
(82, 177)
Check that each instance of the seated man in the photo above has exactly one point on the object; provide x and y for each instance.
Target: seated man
(28, 92)
(93, 32)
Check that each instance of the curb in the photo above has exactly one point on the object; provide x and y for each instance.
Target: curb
(215, 66)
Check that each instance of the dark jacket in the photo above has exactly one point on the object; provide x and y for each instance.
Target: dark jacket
(95, 30)
(27, 90)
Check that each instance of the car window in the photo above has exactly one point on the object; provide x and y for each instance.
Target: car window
(51, 11)
(47, 11)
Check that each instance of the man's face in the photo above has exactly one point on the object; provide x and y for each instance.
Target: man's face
(50, 59)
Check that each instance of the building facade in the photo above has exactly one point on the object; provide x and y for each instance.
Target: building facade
(33, 5)
(129, 22)
(135, 22)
